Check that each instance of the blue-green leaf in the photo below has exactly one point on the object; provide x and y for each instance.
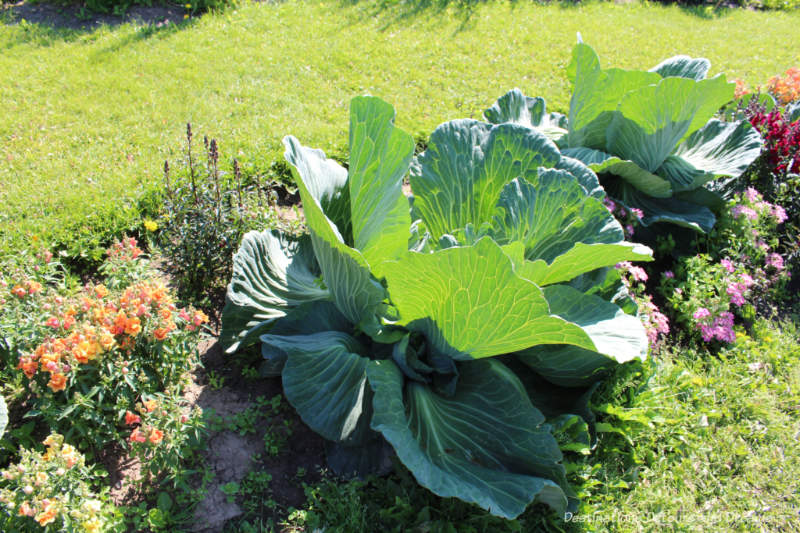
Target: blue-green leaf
(485, 444)
(652, 120)
(717, 149)
(516, 108)
(380, 155)
(602, 162)
(470, 304)
(458, 179)
(345, 271)
(617, 337)
(272, 274)
(564, 231)
(596, 94)
(682, 66)
(324, 379)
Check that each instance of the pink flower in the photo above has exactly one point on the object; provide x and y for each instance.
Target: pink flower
(744, 210)
(736, 292)
(779, 214)
(701, 313)
(669, 274)
(609, 203)
(727, 264)
(747, 280)
(52, 322)
(752, 195)
(637, 213)
(775, 260)
(629, 230)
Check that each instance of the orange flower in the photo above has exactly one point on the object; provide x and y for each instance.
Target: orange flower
(120, 322)
(149, 405)
(199, 318)
(19, 291)
(25, 509)
(81, 352)
(106, 341)
(68, 321)
(133, 327)
(101, 291)
(160, 333)
(165, 313)
(28, 366)
(131, 418)
(57, 382)
(136, 436)
(33, 286)
(156, 436)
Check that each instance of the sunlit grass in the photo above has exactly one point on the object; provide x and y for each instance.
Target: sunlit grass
(89, 117)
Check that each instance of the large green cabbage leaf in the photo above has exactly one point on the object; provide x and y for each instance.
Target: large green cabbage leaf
(378, 342)
(650, 135)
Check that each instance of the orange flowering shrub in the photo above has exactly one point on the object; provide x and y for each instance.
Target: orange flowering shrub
(51, 490)
(105, 347)
(163, 431)
(786, 88)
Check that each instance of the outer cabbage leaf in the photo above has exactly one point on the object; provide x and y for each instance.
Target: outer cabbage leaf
(470, 304)
(680, 212)
(602, 162)
(717, 149)
(516, 108)
(324, 379)
(564, 231)
(585, 175)
(595, 95)
(345, 271)
(303, 320)
(683, 67)
(618, 338)
(792, 111)
(380, 155)
(458, 179)
(651, 121)
(485, 444)
(272, 274)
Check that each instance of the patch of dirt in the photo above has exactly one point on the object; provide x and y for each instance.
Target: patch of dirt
(73, 17)
(231, 455)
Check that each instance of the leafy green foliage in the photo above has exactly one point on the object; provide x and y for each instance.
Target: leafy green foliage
(398, 339)
(649, 135)
(204, 212)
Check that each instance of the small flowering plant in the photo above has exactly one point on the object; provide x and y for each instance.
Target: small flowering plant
(105, 349)
(741, 274)
(162, 431)
(656, 323)
(52, 490)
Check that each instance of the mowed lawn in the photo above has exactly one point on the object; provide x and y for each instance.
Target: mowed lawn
(87, 118)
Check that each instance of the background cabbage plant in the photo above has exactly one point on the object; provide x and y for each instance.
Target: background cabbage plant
(450, 327)
(651, 136)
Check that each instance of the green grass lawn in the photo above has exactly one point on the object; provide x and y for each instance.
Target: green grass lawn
(89, 117)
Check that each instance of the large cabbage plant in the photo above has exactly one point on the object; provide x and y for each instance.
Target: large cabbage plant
(651, 136)
(447, 336)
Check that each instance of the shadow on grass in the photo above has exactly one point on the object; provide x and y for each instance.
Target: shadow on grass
(396, 12)
(45, 24)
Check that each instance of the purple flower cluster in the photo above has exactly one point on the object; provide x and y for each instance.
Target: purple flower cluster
(721, 327)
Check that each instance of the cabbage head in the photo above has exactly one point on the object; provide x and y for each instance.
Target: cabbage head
(459, 338)
(650, 135)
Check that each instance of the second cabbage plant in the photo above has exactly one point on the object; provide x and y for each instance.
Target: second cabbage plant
(457, 328)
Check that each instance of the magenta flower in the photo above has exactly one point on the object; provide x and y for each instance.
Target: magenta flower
(701, 313)
(747, 280)
(609, 203)
(637, 213)
(669, 274)
(727, 264)
(775, 260)
(744, 210)
(779, 214)
(736, 292)
(752, 195)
